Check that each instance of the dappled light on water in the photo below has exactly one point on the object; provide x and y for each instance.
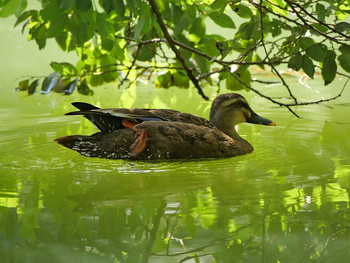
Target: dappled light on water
(288, 201)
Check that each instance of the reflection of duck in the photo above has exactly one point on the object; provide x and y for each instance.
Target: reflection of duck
(165, 134)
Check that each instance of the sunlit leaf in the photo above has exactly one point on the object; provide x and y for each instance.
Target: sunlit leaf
(64, 68)
(164, 80)
(24, 16)
(180, 79)
(219, 4)
(197, 30)
(117, 51)
(233, 84)
(277, 6)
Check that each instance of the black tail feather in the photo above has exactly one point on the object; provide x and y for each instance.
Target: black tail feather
(84, 106)
(103, 121)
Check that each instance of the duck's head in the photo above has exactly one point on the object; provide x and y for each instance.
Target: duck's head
(227, 110)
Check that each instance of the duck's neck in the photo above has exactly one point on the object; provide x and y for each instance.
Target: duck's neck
(227, 127)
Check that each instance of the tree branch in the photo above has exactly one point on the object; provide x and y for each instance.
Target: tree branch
(268, 57)
(174, 48)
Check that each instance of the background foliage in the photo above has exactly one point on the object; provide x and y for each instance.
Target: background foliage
(123, 40)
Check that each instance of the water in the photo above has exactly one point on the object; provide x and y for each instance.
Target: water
(288, 201)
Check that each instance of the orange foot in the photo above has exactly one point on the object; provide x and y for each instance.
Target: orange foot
(140, 143)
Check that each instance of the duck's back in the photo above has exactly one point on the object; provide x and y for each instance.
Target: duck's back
(166, 140)
(174, 140)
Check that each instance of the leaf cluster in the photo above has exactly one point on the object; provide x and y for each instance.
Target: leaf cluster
(118, 40)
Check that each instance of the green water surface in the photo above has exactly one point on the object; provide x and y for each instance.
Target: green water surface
(288, 201)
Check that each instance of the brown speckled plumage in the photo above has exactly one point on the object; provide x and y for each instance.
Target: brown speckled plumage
(170, 134)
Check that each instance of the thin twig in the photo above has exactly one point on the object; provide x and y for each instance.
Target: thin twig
(321, 100)
(268, 57)
(174, 48)
(317, 20)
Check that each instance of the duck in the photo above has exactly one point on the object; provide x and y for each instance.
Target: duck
(160, 134)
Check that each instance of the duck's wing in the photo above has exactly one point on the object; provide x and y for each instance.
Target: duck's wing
(111, 119)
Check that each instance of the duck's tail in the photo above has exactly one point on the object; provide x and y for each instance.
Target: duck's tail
(85, 145)
(100, 145)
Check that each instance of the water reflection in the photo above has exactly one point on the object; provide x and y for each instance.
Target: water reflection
(286, 202)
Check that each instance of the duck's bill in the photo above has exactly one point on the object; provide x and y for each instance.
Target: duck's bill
(256, 119)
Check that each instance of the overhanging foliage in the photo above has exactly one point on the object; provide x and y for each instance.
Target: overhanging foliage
(121, 40)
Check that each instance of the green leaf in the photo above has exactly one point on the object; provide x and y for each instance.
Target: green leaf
(117, 51)
(218, 4)
(24, 16)
(164, 80)
(119, 7)
(82, 26)
(84, 89)
(202, 63)
(64, 69)
(49, 82)
(32, 87)
(107, 43)
(57, 26)
(344, 49)
(180, 79)
(181, 25)
(233, 84)
(342, 26)
(107, 5)
(321, 12)
(10, 8)
(329, 67)
(277, 6)
(176, 13)
(344, 61)
(242, 10)
(71, 86)
(146, 53)
(222, 20)
(197, 30)
(144, 24)
(317, 52)
(308, 66)
(66, 4)
(101, 24)
(83, 5)
(296, 62)
(307, 42)
(23, 85)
